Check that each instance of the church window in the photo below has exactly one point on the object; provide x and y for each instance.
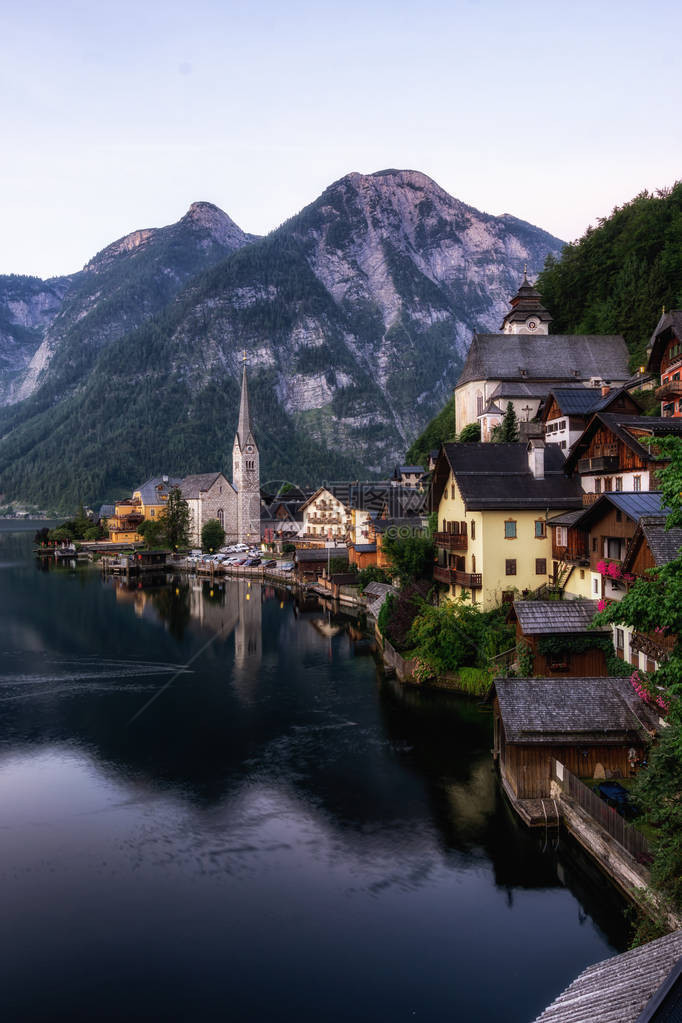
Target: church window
(479, 404)
(221, 516)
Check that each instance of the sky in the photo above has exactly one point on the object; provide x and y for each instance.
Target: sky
(117, 116)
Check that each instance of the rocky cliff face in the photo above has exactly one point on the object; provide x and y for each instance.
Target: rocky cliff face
(355, 314)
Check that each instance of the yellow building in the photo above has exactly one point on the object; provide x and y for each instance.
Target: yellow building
(493, 502)
(148, 502)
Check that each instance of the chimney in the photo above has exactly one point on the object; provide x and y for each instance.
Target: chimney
(536, 458)
(605, 388)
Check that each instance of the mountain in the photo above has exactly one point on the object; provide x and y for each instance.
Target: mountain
(27, 308)
(620, 274)
(355, 314)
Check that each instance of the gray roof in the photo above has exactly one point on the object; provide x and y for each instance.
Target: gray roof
(498, 476)
(377, 593)
(106, 511)
(552, 357)
(192, 486)
(664, 544)
(616, 990)
(583, 401)
(580, 710)
(320, 553)
(634, 504)
(151, 491)
(521, 389)
(568, 518)
(539, 617)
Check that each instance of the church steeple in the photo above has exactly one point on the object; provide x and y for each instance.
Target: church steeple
(244, 425)
(246, 470)
(527, 314)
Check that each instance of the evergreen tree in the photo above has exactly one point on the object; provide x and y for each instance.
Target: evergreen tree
(176, 520)
(508, 430)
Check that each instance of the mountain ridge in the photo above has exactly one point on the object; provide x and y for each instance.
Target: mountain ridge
(356, 313)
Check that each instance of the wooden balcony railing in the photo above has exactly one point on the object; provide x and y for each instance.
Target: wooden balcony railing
(452, 576)
(451, 541)
(598, 463)
(672, 389)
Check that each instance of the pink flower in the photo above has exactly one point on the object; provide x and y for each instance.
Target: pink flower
(601, 605)
(601, 567)
(613, 570)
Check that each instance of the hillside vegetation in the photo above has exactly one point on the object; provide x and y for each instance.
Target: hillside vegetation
(619, 275)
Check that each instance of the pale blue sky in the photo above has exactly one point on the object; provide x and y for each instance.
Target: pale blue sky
(117, 116)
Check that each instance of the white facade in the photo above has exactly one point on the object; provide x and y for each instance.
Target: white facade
(326, 517)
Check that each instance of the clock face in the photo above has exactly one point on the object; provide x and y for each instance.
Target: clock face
(249, 448)
(532, 324)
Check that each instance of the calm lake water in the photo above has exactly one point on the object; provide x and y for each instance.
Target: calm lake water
(212, 807)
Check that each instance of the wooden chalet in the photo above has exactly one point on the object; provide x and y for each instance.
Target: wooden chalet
(567, 410)
(559, 636)
(591, 725)
(618, 453)
(665, 359)
(652, 546)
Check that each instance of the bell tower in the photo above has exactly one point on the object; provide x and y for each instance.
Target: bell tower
(246, 471)
(527, 314)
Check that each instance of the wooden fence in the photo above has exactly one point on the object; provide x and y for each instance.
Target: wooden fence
(632, 840)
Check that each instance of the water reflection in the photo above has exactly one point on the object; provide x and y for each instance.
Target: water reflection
(281, 801)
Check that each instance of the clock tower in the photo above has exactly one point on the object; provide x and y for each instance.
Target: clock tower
(527, 314)
(246, 471)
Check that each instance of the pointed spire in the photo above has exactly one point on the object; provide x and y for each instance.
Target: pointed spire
(244, 425)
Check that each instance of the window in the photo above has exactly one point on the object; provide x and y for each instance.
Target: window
(613, 548)
(597, 486)
(594, 545)
(507, 596)
(479, 404)
(452, 491)
(619, 515)
(152, 512)
(221, 516)
(637, 484)
(540, 529)
(463, 528)
(510, 566)
(595, 586)
(541, 566)
(473, 562)
(608, 485)
(619, 482)
(582, 573)
(561, 536)
(620, 639)
(563, 445)
(510, 529)
(473, 530)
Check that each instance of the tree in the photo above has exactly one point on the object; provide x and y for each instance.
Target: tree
(410, 557)
(654, 604)
(471, 432)
(153, 533)
(212, 535)
(176, 520)
(508, 430)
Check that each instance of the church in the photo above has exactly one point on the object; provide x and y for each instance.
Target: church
(235, 505)
(524, 362)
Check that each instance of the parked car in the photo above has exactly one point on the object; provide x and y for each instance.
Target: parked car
(618, 797)
(269, 564)
(286, 566)
(251, 562)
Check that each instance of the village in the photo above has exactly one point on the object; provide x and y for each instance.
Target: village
(544, 514)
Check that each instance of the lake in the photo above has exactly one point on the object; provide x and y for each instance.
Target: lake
(213, 806)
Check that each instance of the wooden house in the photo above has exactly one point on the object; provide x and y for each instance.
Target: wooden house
(559, 637)
(591, 725)
(665, 360)
(312, 562)
(567, 410)
(617, 453)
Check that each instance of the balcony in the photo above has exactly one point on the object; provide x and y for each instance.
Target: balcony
(451, 541)
(598, 463)
(452, 577)
(670, 390)
(589, 499)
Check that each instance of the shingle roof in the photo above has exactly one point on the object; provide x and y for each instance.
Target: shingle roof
(551, 357)
(566, 518)
(541, 617)
(550, 710)
(192, 486)
(616, 990)
(151, 491)
(320, 553)
(498, 476)
(664, 544)
(670, 323)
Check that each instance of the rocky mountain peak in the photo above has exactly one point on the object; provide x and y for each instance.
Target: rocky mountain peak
(211, 219)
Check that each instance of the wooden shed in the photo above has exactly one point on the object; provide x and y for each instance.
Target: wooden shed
(559, 637)
(596, 727)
